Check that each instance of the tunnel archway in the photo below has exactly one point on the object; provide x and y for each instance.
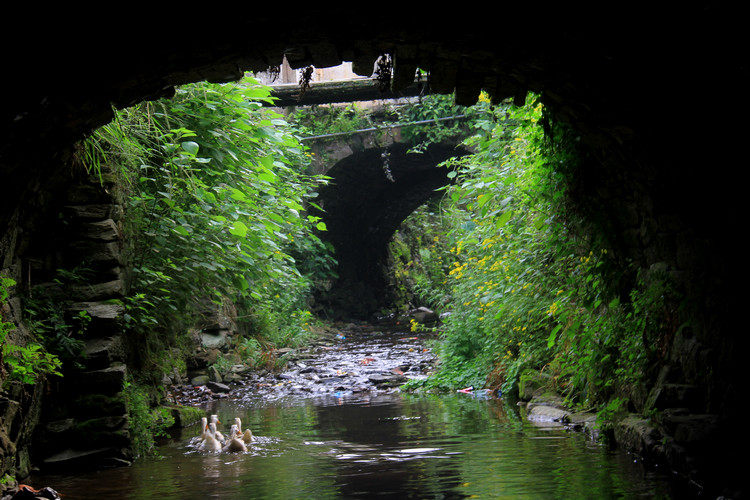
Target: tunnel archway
(645, 94)
(369, 196)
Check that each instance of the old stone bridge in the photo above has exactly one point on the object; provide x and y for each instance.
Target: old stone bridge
(376, 180)
(657, 95)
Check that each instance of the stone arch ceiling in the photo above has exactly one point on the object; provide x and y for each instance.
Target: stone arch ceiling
(647, 88)
(657, 94)
(603, 70)
(652, 91)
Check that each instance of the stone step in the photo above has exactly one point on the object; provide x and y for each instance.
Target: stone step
(114, 289)
(106, 317)
(94, 211)
(81, 442)
(75, 459)
(104, 230)
(101, 353)
(98, 254)
(97, 405)
(106, 381)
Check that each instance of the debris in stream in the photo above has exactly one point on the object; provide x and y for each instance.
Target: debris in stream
(374, 359)
(478, 393)
(26, 492)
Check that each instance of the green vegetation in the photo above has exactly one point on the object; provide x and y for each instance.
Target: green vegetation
(146, 422)
(21, 362)
(217, 197)
(46, 314)
(333, 119)
(217, 192)
(217, 207)
(530, 284)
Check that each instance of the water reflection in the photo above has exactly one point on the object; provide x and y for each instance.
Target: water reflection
(389, 445)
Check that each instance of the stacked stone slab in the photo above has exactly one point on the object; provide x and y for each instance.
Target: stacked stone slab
(85, 415)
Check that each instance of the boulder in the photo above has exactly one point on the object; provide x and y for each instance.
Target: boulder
(531, 382)
(218, 387)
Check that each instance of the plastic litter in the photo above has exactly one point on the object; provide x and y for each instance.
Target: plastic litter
(478, 393)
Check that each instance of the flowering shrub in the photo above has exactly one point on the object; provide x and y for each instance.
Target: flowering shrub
(528, 288)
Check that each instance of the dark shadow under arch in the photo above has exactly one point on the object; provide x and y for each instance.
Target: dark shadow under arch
(367, 199)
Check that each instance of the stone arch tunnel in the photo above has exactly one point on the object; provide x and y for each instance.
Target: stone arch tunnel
(370, 193)
(656, 95)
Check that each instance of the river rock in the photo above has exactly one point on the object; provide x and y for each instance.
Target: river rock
(214, 340)
(547, 414)
(389, 379)
(586, 422)
(547, 407)
(424, 315)
(214, 375)
(218, 387)
(530, 382)
(232, 377)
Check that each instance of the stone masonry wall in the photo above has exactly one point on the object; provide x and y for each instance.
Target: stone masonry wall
(82, 416)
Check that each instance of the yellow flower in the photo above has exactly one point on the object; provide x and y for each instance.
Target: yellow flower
(553, 308)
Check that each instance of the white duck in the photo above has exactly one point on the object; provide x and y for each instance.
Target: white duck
(247, 435)
(197, 440)
(216, 422)
(235, 443)
(210, 443)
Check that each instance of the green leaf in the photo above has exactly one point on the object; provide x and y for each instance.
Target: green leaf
(190, 147)
(553, 336)
(239, 229)
(503, 219)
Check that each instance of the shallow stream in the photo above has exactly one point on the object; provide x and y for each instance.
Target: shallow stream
(323, 430)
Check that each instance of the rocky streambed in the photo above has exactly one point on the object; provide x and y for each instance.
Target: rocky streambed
(348, 359)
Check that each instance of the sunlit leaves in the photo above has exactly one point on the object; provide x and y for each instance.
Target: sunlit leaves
(219, 200)
(239, 229)
(499, 285)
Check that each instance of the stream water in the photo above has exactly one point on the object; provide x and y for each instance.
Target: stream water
(331, 427)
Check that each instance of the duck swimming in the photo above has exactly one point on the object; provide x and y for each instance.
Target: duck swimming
(216, 422)
(197, 440)
(210, 443)
(211, 439)
(247, 435)
(235, 443)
